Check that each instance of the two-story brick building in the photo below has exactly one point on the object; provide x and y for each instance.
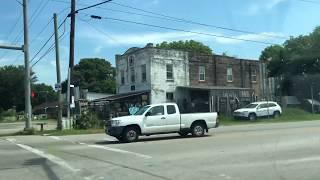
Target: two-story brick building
(196, 82)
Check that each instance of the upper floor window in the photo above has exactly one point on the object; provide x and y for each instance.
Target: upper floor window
(122, 76)
(132, 74)
(202, 73)
(229, 74)
(169, 72)
(131, 60)
(169, 96)
(143, 73)
(254, 75)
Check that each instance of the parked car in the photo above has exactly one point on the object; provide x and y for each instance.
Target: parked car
(258, 109)
(160, 119)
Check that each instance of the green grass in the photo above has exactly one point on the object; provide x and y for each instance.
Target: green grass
(288, 115)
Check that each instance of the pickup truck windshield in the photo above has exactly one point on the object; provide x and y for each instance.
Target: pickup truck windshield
(142, 110)
(251, 106)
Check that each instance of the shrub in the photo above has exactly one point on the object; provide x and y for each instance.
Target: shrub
(31, 131)
(87, 121)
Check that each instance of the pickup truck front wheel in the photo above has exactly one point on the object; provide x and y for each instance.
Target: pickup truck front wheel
(198, 130)
(130, 134)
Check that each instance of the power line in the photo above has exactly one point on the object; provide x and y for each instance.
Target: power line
(42, 47)
(181, 20)
(100, 31)
(94, 5)
(48, 51)
(196, 23)
(182, 30)
(42, 30)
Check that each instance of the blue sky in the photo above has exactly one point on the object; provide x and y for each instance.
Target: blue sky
(105, 38)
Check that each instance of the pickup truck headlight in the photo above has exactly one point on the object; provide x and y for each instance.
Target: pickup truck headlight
(115, 122)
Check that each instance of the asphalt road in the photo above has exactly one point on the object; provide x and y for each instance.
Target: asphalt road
(286, 151)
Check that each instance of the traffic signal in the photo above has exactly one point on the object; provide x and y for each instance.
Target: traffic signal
(33, 94)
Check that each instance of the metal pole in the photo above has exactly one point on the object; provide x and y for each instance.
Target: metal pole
(28, 111)
(311, 89)
(60, 105)
(71, 53)
(68, 95)
(11, 47)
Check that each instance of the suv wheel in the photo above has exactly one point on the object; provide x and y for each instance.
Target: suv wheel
(276, 114)
(252, 117)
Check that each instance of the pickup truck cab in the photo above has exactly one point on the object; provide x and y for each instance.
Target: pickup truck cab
(160, 119)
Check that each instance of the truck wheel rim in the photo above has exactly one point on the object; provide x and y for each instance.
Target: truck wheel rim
(131, 135)
(198, 130)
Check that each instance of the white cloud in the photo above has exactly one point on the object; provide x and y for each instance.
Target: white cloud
(53, 63)
(140, 39)
(155, 2)
(264, 36)
(97, 49)
(260, 6)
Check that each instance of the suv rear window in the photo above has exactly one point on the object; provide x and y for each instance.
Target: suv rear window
(272, 105)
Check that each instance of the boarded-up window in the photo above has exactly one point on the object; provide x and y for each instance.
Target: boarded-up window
(132, 74)
(122, 76)
(143, 73)
(254, 75)
(229, 74)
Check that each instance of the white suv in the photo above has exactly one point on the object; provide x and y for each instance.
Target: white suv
(258, 109)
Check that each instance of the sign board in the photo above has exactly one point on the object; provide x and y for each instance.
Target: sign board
(72, 105)
(57, 86)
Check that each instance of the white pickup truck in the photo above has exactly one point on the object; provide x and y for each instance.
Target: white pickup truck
(160, 119)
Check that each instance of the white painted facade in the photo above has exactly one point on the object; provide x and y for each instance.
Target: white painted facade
(155, 61)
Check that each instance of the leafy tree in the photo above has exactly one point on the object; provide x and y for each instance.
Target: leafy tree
(298, 55)
(94, 74)
(12, 87)
(189, 45)
(43, 93)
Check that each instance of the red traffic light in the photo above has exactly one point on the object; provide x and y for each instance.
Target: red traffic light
(33, 94)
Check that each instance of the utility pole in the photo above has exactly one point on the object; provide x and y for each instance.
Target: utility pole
(60, 105)
(28, 111)
(71, 53)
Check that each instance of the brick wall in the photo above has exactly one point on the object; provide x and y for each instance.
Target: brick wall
(216, 71)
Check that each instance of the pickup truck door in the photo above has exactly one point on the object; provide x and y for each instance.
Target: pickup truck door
(154, 120)
(173, 119)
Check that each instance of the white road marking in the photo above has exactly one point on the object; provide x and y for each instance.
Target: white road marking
(106, 148)
(55, 137)
(119, 151)
(50, 157)
(300, 160)
(11, 140)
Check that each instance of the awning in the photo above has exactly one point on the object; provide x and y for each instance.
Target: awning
(120, 96)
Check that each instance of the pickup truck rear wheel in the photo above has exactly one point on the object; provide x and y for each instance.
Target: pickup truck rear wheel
(198, 130)
(130, 134)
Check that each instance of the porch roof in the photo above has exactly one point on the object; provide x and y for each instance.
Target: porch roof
(120, 96)
(214, 88)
